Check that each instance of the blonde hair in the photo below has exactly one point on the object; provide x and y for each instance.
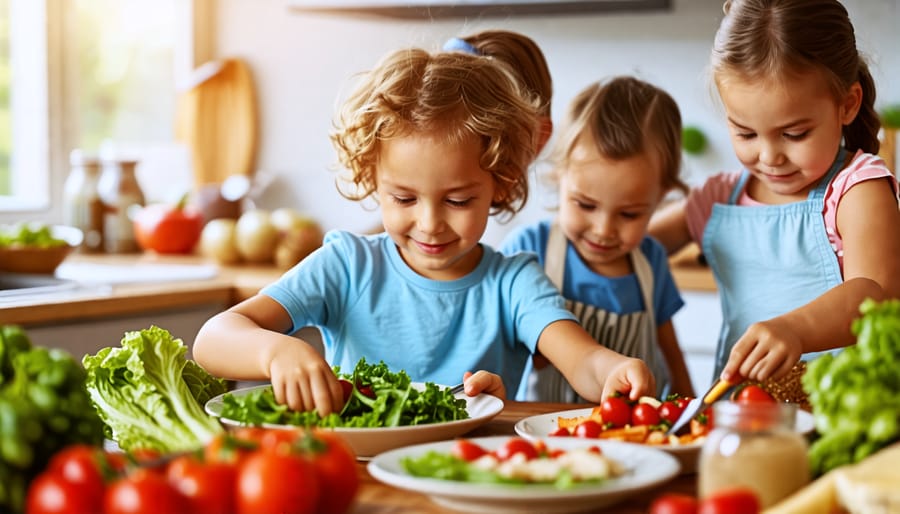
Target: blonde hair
(785, 38)
(523, 55)
(454, 94)
(625, 117)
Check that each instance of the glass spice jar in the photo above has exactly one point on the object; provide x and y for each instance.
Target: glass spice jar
(121, 194)
(754, 445)
(82, 207)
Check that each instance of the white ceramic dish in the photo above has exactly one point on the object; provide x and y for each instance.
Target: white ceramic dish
(367, 442)
(645, 467)
(534, 427)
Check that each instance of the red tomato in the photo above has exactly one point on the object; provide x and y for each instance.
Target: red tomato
(683, 401)
(233, 447)
(346, 388)
(615, 411)
(366, 391)
(752, 394)
(467, 450)
(85, 466)
(335, 465)
(670, 411)
(276, 482)
(143, 492)
(560, 432)
(738, 500)
(167, 228)
(588, 428)
(204, 484)
(516, 445)
(674, 503)
(702, 423)
(644, 414)
(51, 493)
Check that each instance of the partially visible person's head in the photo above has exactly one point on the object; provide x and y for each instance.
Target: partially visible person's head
(452, 97)
(617, 154)
(780, 42)
(525, 57)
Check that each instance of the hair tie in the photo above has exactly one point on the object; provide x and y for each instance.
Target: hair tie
(460, 45)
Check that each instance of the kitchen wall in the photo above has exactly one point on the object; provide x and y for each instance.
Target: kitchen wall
(303, 63)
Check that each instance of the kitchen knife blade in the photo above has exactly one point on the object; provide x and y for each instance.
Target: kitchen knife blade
(699, 404)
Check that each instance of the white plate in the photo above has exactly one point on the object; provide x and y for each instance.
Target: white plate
(645, 467)
(539, 426)
(367, 442)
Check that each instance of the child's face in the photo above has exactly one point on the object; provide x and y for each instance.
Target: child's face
(435, 202)
(786, 133)
(605, 205)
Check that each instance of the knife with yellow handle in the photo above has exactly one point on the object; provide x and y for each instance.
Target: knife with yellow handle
(699, 404)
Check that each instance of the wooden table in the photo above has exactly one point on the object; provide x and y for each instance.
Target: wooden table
(377, 498)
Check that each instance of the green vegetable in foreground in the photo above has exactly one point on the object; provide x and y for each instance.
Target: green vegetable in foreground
(855, 394)
(44, 407)
(393, 402)
(150, 396)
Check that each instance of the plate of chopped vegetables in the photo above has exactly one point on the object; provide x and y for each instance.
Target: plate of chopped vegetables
(504, 474)
(384, 410)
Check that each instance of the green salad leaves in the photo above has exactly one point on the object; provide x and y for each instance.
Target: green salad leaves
(856, 394)
(150, 396)
(379, 398)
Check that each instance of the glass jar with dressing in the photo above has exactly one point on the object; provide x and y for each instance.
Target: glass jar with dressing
(121, 195)
(82, 206)
(754, 445)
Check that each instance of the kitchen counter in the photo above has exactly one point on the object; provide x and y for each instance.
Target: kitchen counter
(230, 285)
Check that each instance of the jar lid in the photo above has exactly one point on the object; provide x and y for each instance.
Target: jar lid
(754, 416)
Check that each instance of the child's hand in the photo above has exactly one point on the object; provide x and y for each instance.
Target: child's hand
(767, 349)
(303, 380)
(631, 377)
(484, 382)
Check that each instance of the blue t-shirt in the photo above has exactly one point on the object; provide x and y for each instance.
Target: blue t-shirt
(368, 303)
(621, 295)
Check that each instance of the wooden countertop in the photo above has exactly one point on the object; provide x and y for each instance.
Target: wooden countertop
(231, 285)
(375, 497)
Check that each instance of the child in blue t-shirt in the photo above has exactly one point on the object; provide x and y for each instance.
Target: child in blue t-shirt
(616, 156)
(442, 141)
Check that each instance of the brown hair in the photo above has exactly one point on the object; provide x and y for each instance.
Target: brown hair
(626, 117)
(772, 38)
(523, 55)
(455, 94)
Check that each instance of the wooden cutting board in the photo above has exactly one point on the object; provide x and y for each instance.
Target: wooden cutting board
(217, 119)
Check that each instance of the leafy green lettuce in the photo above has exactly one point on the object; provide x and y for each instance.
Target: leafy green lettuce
(149, 395)
(855, 394)
(393, 402)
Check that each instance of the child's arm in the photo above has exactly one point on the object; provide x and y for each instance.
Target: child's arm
(593, 370)
(669, 226)
(668, 343)
(868, 219)
(247, 342)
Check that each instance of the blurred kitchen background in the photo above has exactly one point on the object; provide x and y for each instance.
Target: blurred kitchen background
(116, 77)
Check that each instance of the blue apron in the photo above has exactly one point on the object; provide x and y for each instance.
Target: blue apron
(768, 260)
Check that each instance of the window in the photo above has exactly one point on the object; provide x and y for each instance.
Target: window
(98, 75)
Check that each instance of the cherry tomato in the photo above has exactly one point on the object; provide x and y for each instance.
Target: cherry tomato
(752, 393)
(644, 414)
(674, 503)
(276, 482)
(467, 450)
(346, 389)
(615, 411)
(203, 483)
(51, 493)
(366, 391)
(703, 423)
(85, 466)
(738, 500)
(683, 401)
(334, 463)
(588, 428)
(516, 445)
(143, 492)
(670, 411)
(560, 432)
